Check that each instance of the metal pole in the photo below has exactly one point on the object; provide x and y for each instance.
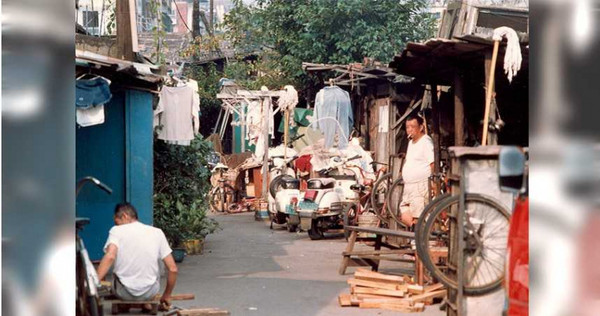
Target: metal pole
(265, 167)
(285, 132)
(218, 119)
(460, 306)
(243, 125)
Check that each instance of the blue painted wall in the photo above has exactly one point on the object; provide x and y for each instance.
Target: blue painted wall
(118, 153)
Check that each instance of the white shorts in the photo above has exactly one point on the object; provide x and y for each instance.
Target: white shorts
(122, 292)
(414, 197)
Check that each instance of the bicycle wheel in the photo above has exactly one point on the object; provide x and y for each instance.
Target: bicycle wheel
(419, 227)
(216, 199)
(350, 216)
(486, 232)
(378, 195)
(395, 194)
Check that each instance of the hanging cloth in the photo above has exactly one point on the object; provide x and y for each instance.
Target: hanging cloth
(90, 97)
(177, 114)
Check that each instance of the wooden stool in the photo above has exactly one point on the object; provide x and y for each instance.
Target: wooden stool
(373, 257)
(119, 306)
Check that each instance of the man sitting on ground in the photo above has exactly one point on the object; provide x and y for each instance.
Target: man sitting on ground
(136, 249)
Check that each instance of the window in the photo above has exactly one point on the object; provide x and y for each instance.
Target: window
(90, 19)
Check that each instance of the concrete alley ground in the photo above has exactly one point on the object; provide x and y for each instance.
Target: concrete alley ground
(249, 269)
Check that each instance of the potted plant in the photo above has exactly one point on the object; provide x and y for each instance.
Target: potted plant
(181, 183)
(196, 226)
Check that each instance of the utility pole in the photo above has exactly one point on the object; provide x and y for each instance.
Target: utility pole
(196, 19)
(127, 40)
(211, 16)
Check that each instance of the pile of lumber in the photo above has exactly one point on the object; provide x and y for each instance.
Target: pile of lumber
(370, 289)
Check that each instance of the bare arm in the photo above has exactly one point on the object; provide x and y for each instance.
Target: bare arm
(432, 166)
(107, 261)
(171, 279)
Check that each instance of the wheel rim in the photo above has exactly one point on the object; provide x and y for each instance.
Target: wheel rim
(486, 231)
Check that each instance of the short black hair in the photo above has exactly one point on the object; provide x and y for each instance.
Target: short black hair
(415, 117)
(125, 208)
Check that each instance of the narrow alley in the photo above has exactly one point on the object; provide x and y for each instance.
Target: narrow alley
(249, 269)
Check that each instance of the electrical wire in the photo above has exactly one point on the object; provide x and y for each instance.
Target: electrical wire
(181, 16)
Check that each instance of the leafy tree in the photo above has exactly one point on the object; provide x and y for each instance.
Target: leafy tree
(327, 31)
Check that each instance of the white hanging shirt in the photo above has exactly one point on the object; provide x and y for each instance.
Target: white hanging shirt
(177, 112)
(91, 116)
(419, 156)
(140, 248)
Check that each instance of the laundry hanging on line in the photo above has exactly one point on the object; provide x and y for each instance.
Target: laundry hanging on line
(333, 115)
(177, 114)
(90, 97)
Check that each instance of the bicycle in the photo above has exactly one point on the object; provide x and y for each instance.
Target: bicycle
(223, 193)
(362, 204)
(485, 222)
(88, 298)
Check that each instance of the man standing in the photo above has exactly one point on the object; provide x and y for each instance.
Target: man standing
(136, 249)
(418, 166)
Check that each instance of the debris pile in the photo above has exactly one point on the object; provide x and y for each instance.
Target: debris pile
(370, 289)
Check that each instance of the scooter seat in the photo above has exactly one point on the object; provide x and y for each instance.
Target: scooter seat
(321, 183)
(357, 187)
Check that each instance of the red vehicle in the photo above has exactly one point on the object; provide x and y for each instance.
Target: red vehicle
(513, 178)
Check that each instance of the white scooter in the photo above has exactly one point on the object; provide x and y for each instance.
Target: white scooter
(283, 192)
(323, 202)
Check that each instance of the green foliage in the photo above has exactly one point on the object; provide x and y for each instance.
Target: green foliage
(208, 83)
(181, 185)
(327, 31)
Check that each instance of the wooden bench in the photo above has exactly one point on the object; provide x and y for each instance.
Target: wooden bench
(372, 258)
(119, 307)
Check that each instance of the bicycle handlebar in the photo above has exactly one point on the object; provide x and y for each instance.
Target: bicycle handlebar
(95, 181)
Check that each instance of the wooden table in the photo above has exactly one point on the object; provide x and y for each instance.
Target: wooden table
(373, 257)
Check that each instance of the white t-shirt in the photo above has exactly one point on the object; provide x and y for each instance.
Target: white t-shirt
(419, 156)
(140, 249)
(177, 112)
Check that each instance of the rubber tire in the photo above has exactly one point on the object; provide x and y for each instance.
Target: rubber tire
(349, 220)
(276, 182)
(428, 262)
(385, 177)
(292, 228)
(399, 183)
(314, 232)
(429, 208)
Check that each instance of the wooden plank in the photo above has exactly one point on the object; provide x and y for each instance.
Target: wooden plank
(375, 291)
(434, 287)
(427, 296)
(364, 274)
(178, 297)
(344, 300)
(349, 248)
(372, 284)
(384, 300)
(392, 306)
(381, 231)
(202, 312)
(378, 252)
(415, 289)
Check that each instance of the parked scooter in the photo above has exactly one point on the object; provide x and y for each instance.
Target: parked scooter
(322, 205)
(283, 192)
